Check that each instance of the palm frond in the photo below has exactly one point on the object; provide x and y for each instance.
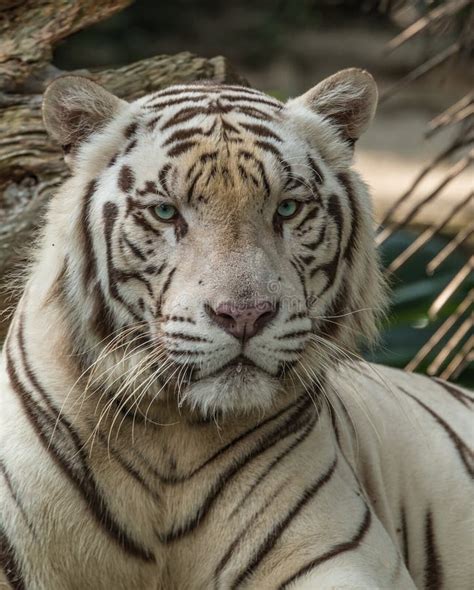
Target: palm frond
(449, 350)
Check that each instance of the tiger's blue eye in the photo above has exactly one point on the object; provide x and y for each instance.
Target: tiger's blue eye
(287, 209)
(165, 212)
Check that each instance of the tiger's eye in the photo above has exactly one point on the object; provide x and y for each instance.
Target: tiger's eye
(165, 212)
(288, 208)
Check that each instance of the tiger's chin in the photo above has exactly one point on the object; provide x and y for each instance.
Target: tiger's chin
(237, 389)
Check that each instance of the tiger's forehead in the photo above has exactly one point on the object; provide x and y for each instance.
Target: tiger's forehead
(178, 104)
(214, 142)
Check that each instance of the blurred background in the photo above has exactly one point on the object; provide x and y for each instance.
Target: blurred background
(417, 157)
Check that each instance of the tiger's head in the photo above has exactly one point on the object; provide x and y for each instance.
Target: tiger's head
(215, 243)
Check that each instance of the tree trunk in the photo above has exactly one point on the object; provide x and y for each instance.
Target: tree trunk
(31, 166)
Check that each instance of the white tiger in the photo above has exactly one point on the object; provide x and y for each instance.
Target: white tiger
(180, 407)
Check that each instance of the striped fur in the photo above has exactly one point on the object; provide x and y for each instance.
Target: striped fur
(142, 446)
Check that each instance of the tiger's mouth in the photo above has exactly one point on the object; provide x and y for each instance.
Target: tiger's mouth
(240, 366)
(239, 362)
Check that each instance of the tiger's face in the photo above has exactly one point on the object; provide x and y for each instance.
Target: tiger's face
(227, 230)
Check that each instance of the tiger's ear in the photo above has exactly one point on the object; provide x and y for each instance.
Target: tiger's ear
(74, 108)
(348, 99)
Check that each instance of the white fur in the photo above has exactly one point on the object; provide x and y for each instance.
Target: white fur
(230, 477)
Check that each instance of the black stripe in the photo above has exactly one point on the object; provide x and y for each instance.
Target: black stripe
(210, 131)
(319, 241)
(318, 176)
(297, 350)
(177, 318)
(306, 260)
(294, 334)
(175, 480)
(349, 251)
(110, 214)
(248, 433)
(9, 563)
(302, 279)
(167, 282)
(152, 123)
(268, 147)
(112, 160)
(433, 568)
(334, 552)
(101, 318)
(298, 264)
(348, 422)
(188, 337)
(254, 113)
(207, 157)
(150, 188)
(297, 315)
(181, 148)
(312, 213)
(15, 497)
(182, 134)
(179, 352)
(34, 381)
(216, 107)
(335, 211)
(274, 535)
(267, 101)
(205, 89)
(160, 298)
(260, 130)
(333, 416)
(124, 277)
(163, 177)
(90, 263)
(237, 541)
(183, 115)
(242, 89)
(179, 479)
(58, 291)
(248, 156)
(185, 89)
(192, 186)
(268, 440)
(75, 466)
(130, 130)
(293, 182)
(135, 249)
(130, 146)
(458, 394)
(302, 436)
(140, 220)
(405, 542)
(229, 129)
(464, 452)
(129, 469)
(290, 179)
(330, 268)
(164, 104)
(134, 205)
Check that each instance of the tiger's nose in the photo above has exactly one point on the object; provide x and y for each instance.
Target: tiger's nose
(243, 322)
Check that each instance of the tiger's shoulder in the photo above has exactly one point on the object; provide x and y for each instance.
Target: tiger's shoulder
(407, 416)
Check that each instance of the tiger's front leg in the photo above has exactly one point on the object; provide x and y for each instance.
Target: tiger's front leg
(365, 560)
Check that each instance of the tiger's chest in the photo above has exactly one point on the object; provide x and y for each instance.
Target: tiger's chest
(252, 511)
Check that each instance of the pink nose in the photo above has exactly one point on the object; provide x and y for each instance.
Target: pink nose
(243, 322)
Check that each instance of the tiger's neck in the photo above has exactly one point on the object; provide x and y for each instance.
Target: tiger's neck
(48, 375)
